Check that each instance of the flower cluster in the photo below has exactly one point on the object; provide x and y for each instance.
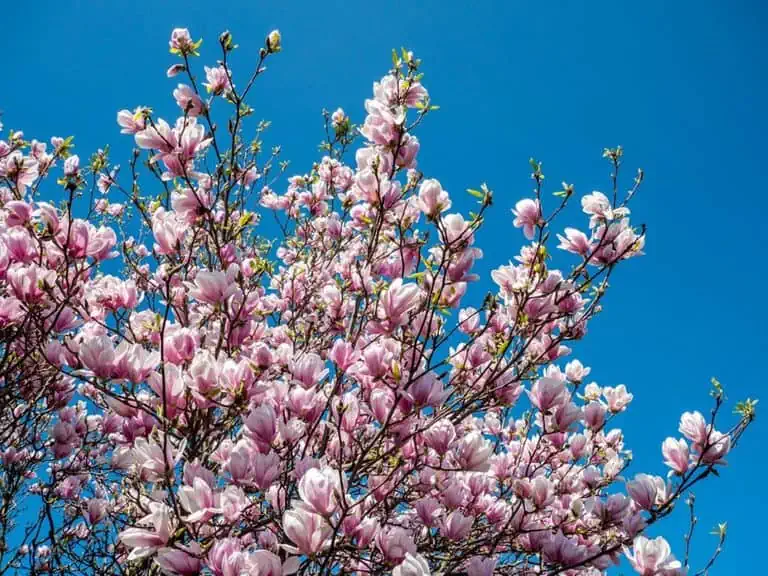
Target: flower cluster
(327, 402)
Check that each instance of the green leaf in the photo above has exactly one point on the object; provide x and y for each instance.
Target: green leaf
(476, 193)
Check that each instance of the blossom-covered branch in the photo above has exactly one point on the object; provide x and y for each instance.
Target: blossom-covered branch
(182, 394)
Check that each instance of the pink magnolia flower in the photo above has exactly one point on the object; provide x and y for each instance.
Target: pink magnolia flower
(395, 542)
(428, 510)
(19, 213)
(409, 148)
(72, 165)
(456, 526)
(308, 531)
(469, 320)
(456, 229)
(575, 371)
(412, 565)
(226, 558)
(309, 370)
(211, 287)
(266, 469)
(432, 198)
(191, 140)
(170, 386)
(440, 435)
(527, 216)
(204, 373)
(131, 122)
(382, 124)
(694, 427)
(397, 301)
(181, 345)
(233, 502)
(217, 79)
(158, 136)
(343, 354)
(618, 398)
(718, 446)
(261, 425)
(481, 566)
(676, 455)
(145, 541)
(338, 117)
(19, 169)
(96, 510)
(48, 215)
(575, 241)
(473, 452)
(382, 404)
(598, 206)
(190, 204)
(155, 462)
(643, 490)
(98, 355)
(653, 557)
(189, 102)
(265, 563)
(541, 492)
(594, 415)
(175, 70)
(318, 489)
(181, 560)
(199, 500)
(548, 393)
(428, 390)
(181, 41)
(168, 232)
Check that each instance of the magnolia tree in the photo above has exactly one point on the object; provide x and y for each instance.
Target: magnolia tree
(179, 395)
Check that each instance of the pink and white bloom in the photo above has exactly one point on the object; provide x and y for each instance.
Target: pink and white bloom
(308, 531)
(319, 490)
(397, 301)
(211, 287)
(653, 557)
(217, 80)
(432, 198)
(181, 560)
(527, 216)
(189, 102)
(676, 455)
(146, 541)
(412, 565)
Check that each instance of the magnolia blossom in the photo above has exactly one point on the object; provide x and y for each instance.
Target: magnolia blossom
(217, 79)
(412, 566)
(146, 541)
(211, 287)
(318, 489)
(432, 198)
(676, 455)
(527, 215)
(653, 557)
(309, 532)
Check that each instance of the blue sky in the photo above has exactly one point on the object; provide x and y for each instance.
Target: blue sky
(681, 85)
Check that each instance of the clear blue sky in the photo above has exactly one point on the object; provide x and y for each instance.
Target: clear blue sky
(681, 85)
